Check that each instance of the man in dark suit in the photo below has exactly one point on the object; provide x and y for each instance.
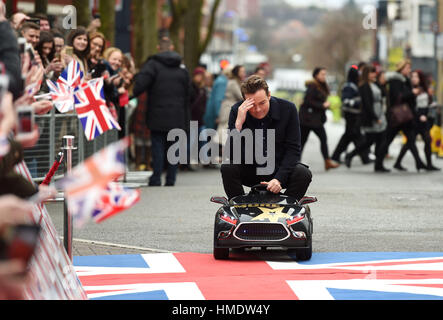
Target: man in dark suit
(260, 111)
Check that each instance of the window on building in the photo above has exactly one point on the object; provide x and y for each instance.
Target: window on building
(426, 18)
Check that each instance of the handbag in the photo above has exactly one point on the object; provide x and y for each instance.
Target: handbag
(400, 114)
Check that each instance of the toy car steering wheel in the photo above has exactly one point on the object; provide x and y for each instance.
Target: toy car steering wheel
(260, 188)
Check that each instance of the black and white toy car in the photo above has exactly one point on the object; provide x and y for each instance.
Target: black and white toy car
(263, 219)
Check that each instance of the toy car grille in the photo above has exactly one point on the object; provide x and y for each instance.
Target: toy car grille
(261, 232)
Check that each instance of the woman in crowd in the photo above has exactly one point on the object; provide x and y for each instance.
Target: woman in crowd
(79, 41)
(113, 60)
(46, 50)
(96, 65)
(351, 109)
(313, 113)
(400, 91)
(423, 123)
(232, 96)
(374, 121)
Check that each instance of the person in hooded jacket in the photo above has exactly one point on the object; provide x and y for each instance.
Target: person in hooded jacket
(167, 84)
(351, 108)
(313, 113)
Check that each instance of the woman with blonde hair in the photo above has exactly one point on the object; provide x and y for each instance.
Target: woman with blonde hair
(97, 41)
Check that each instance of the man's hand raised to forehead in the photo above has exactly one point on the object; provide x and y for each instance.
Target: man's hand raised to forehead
(247, 105)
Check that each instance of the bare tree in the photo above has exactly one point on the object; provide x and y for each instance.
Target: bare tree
(83, 12)
(339, 39)
(145, 29)
(188, 18)
(107, 17)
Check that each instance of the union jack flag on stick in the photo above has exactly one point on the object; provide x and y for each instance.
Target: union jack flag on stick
(72, 76)
(86, 183)
(113, 200)
(92, 110)
(62, 96)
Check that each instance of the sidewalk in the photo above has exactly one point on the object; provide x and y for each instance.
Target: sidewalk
(90, 248)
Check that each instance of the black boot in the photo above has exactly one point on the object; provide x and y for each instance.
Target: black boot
(399, 167)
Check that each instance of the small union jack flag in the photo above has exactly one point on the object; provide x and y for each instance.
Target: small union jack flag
(86, 183)
(62, 96)
(72, 76)
(113, 200)
(33, 88)
(92, 110)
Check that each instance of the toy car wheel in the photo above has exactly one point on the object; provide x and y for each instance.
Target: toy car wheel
(221, 253)
(302, 254)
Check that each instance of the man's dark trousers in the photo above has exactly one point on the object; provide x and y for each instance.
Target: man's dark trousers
(159, 148)
(235, 176)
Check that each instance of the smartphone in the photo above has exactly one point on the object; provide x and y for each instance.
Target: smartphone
(98, 70)
(4, 85)
(25, 121)
(69, 50)
(30, 50)
(21, 45)
(18, 242)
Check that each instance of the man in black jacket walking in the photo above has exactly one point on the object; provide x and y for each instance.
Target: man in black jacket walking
(167, 84)
(260, 111)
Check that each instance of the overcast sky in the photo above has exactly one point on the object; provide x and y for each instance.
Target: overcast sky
(329, 3)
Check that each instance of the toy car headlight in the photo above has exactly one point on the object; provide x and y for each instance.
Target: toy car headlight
(296, 218)
(228, 218)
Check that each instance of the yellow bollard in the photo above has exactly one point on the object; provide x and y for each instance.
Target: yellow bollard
(436, 134)
(440, 152)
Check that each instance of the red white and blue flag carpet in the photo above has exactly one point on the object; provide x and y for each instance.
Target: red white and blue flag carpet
(327, 276)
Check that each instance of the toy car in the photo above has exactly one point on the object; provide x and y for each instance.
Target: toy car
(263, 219)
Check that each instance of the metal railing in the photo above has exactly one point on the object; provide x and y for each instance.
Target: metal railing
(53, 127)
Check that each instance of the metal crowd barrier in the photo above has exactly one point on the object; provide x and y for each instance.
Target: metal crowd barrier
(53, 127)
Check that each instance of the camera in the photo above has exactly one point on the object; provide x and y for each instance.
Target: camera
(25, 121)
(18, 242)
(98, 69)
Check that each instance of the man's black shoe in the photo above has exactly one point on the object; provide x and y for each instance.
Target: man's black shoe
(382, 170)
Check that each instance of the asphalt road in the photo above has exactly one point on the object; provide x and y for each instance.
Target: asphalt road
(358, 210)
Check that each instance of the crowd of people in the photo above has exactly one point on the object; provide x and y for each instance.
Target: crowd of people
(31, 52)
(377, 106)
(163, 95)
